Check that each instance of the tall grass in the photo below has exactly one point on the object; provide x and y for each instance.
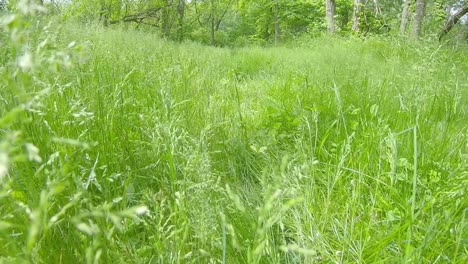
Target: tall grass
(147, 151)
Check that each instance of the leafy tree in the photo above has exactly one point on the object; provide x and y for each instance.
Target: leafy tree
(210, 15)
(265, 17)
(357, 10)
(233, 22)
(273, 20)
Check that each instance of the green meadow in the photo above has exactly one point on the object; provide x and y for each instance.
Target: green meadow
(120, 147)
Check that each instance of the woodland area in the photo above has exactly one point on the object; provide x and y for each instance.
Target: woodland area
(240, 22)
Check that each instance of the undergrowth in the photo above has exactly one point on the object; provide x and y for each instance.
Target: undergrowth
(119, 147)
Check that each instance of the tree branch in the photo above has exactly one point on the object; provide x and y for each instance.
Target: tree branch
(140, 16)
(453, 21)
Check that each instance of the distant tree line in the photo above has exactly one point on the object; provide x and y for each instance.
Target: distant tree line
(237, 22)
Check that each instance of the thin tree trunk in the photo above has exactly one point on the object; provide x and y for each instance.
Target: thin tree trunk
(104, 14)
(378, 11)
(213, 23)
(405, 14)
(212, 35)
(166, 17)
(330, 10)
(418, 18)
(357, 10)
(181, 11)
(266, 32)
(453, 20)
(220, 18)
(277, 26)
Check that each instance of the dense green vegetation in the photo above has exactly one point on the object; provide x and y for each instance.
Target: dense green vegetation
(117, 146)
(265, 22)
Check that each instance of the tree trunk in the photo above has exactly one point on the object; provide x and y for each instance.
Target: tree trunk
(330, 10)
(453, 20)
(277, 26)
(357, 10)
(166, 20)
(418, 18)
(213, 23)
(104, 14)
(378, 11)
(405, 15)
(181, 11)
(266, 31)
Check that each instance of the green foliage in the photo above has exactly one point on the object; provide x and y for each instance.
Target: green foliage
(436, 16)
(238, 23)
(118, 146)
(295, 17)
(43, 198)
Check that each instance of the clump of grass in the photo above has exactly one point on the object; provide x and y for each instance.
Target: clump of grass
(148, 151)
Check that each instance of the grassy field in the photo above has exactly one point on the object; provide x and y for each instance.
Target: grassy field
(125, 148)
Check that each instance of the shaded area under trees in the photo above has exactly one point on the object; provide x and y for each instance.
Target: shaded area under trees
(265, 22)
